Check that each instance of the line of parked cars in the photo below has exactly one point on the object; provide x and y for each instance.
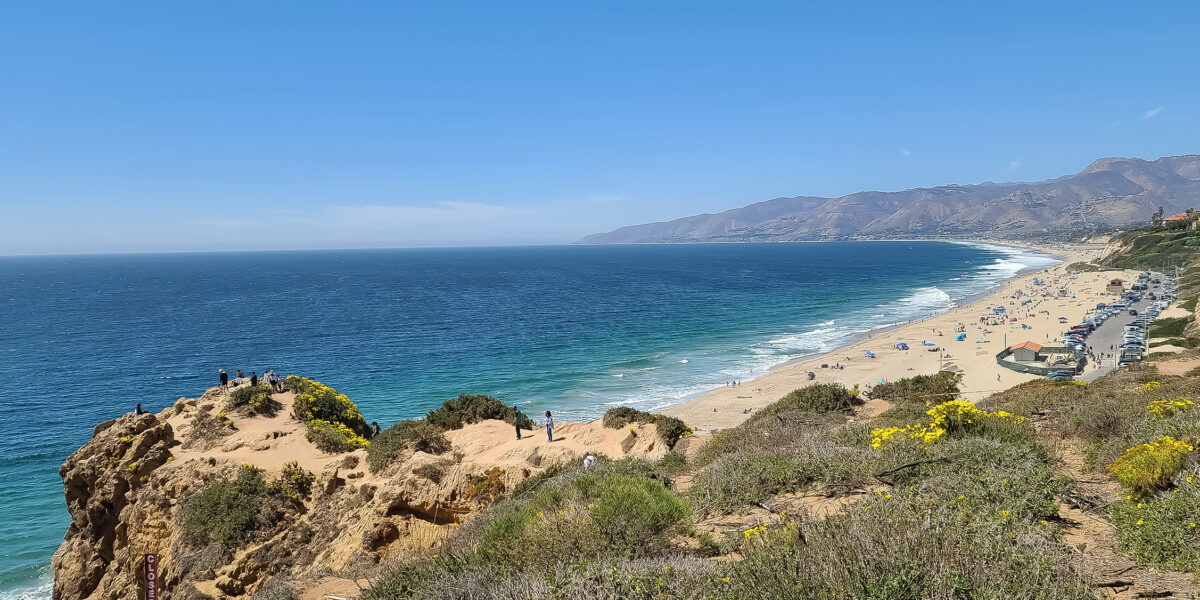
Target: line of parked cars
(1133, 338)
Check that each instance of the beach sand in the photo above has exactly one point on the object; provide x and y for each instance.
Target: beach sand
(727, 406)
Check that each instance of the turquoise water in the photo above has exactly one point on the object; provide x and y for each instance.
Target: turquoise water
(574, 329)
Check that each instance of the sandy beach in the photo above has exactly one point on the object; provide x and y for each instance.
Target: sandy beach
(1038, 320)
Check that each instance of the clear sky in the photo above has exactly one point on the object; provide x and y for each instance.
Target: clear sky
(148, 126)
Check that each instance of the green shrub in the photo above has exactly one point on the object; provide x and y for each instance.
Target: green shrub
(672, 464)
(405, 436)
(782, 431)
(819, 398)
(256, 399)
(670, 429)
(902, 546)
(294, 482)
(473, 408)
(228, 511)
(921, 389)
(1168, 327)
(584, 514)
(619, 417)
(747, 478)
(1164, 530)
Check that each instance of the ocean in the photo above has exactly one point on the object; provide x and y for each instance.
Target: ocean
(573, 329)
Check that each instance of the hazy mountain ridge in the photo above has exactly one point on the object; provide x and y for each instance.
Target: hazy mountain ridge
(1110, 192)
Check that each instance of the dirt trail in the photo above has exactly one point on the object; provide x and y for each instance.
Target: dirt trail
(1088, 532)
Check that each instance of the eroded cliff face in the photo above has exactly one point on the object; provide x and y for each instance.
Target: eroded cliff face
(125, 490)
(115, 515)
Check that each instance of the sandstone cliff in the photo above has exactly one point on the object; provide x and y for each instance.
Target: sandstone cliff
(126, 488)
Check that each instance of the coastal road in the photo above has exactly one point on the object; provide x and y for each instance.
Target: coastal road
(1110, 333)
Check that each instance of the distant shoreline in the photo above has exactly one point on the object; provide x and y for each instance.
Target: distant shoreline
(731, 402)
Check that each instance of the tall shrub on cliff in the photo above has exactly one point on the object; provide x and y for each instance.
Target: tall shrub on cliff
(919, 389)
(333, 421)
(473, 408)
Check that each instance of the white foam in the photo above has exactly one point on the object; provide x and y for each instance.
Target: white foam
(683, 361)
(931, 297)
(43, 590)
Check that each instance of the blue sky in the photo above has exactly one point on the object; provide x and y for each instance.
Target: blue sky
(150, 126)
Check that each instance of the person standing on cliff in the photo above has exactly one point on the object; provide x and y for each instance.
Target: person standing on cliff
(253, 379)
(517, 420)
(224, 377)
(549, 427)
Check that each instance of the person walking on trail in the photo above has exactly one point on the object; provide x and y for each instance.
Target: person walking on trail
(224, 377)
(549, 427)
(517, 420)
(588, 459)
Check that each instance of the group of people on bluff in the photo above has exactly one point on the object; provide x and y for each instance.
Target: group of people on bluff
(271, 378)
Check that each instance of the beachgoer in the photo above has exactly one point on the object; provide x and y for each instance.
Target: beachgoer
(253, 379)
(517, 420)
(239, 374)
(588, 459)
(224, 377)
(549, 427)
(375, 429)
(138, 410)
(237, 381)
(997, 377)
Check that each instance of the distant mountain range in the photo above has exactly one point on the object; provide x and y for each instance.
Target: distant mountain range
(1109, 193)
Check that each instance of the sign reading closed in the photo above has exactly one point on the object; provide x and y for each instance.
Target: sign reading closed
(151, 565)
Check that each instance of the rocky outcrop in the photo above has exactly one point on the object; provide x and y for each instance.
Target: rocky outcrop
(113, 523)
(126, 489)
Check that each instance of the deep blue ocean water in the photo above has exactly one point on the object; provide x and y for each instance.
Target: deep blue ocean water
(574, 329)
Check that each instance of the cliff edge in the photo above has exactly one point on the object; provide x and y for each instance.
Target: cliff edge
(230, 499)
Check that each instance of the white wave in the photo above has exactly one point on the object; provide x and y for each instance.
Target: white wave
(43, 590)
(931, 297)
(618, 374)
(683, 361)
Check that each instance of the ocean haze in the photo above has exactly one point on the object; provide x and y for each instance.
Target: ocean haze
(574, 329)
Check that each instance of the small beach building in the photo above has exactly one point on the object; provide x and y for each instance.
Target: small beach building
(1116, 286)
(1026, 352)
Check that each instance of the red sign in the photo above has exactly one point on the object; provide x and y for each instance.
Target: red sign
(151, 565)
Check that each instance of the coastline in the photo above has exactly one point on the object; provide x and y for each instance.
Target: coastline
(727, 406)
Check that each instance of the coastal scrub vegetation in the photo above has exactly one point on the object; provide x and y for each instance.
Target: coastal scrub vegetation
(255, 399)
(473, 408)
(405, 437)
(232, 511)
(332, 420)
(821, 398)
(920, 389)
(952, 519)
(670, 429)
(1139, 428)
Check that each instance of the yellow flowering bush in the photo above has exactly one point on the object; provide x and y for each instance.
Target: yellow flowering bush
(334, 423)
(1146, 467)
(329, 436)
(955, 416)
(1167, 407)
(1150, 386)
